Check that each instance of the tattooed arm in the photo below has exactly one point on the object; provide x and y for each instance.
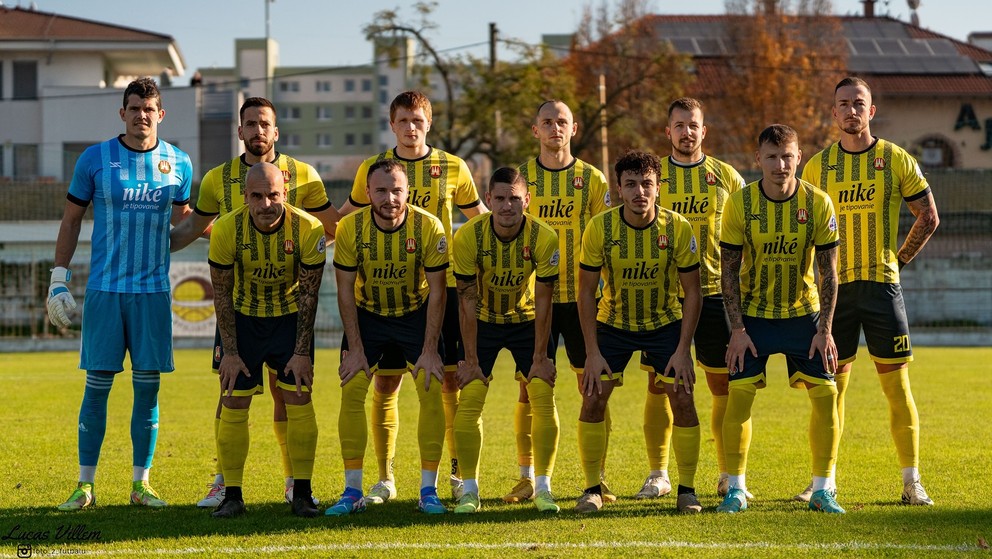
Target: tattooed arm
(301, 364)
(468, 298)
(730, 281)
(926, 223)
(823, 341)
(231, 364)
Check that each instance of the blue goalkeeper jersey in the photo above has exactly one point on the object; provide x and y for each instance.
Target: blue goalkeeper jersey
(132, 194)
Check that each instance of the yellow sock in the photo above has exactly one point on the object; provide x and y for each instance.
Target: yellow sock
(352, 427)
(841, 381)
(220, 463)
(904, 421)
(430, 425)
(685, 444)
(279, 427)
(301, 439)
(522, 429)
(545, 426)
(450, 402)
(468, 427)
(823, 431)
(592, 447)
(657, 429)
(737, 427)
(716, 427)
(385, 422)
(233, 442)
(608, 423)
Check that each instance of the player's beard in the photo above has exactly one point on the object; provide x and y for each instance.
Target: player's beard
(689, 154)
(258, 149)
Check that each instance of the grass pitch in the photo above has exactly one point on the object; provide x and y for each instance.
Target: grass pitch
(38, 459)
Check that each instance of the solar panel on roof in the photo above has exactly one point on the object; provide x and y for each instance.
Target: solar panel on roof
(683, 44)
(917, 47)
(890, 47)
(709, 47)
(942, 46)
(864, 47)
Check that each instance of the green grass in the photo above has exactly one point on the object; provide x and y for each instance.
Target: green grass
(38, 460)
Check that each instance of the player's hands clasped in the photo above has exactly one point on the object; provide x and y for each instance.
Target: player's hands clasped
(60, 301)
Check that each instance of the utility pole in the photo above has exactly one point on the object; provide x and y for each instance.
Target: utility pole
(268, 57)
(603, 132)
(497, 117)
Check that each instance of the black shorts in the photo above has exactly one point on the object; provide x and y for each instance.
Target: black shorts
(711, 337)
(656, 346)
(406, 333)
(565, 323)
(789, 336)
(393, 362)
(518, 338)
(878, 308)
(263, 341)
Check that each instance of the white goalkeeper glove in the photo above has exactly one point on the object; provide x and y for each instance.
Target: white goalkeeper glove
(60, 301)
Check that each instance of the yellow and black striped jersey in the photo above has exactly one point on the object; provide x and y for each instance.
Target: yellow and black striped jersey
(639, 267)
(505, 271)
(566, 199)
(437, 180)
(266, 265)
(777, 239)
(698, 192)
(223, 187)
(867, 189)
(391, 265)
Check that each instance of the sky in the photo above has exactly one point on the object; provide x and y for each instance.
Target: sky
(329, 32)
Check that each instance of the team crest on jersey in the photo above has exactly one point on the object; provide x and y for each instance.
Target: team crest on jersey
(710, 178)
(662, 242)
(288, 246)
(164, 167)
(285, 176)
(555, 257)
(411, 245)
(442, 245)
(879, 163)
(802, 216)
(527, 253)
(578, 183)
(435, 171)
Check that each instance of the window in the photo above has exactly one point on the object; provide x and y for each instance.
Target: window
(323, 86)
(25, 161)
(383, 81)
(349, 139)
(289, 86)
(366, 85)
(1, 97)
(290, 140)
(25, 81)
(382, 96)
(323, 168)
(366, 112)
(323, 140)
(349, 85)
(323, 113)
(366, 139)
(349, 112)
(383, 124)
(289, 113)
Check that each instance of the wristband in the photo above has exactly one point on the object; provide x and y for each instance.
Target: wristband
(61, 275)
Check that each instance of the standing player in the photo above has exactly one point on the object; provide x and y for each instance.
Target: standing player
(566, 193)
(771, 230)
(642, 253)
(390, 262)
(696, 186)
(137, 185)
(867, 178)
(266, 263)
(222, 191)
(438, 181)
(497, 259)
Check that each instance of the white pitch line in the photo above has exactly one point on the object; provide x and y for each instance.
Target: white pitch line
(273, 549)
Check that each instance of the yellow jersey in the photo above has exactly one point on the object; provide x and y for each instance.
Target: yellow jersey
(505, 270)
(698, 192)
(391, 265)
(266, 265)
(867, 189)
(566, 199)
(223, 187)
(777, 239)
(437, 180)
(639, 267)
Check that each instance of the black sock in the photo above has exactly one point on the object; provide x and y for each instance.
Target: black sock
(683, 490)
(597, 489)
(301, 488)
(233, 493)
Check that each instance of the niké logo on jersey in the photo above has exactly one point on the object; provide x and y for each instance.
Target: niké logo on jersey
(857, 193)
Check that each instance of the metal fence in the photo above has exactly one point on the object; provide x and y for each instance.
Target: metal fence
(948, 288)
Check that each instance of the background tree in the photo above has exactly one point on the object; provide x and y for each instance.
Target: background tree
(787, 57)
